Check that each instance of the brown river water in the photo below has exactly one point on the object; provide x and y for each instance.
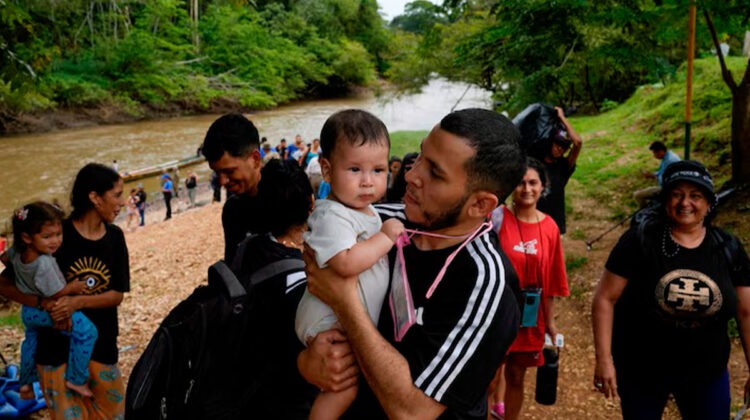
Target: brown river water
(42, 166)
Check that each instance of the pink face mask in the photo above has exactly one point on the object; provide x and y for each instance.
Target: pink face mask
(400, 299)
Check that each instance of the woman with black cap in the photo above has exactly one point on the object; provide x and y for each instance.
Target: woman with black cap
(661, 308)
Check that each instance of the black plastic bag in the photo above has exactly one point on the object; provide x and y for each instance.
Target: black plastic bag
(539, 126)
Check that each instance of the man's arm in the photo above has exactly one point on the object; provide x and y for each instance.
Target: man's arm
(574, 136)
(384, 368)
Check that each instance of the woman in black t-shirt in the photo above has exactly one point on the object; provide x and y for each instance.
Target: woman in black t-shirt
(93, 250)
(661, 308)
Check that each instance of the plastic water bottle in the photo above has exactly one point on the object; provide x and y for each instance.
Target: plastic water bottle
(546, 377)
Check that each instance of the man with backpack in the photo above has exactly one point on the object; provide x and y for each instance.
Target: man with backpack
(231, 149)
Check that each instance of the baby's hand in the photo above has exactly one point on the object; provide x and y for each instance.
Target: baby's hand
(79, 286)
(392, 228)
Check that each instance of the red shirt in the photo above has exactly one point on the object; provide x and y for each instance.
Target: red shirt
(536, 253)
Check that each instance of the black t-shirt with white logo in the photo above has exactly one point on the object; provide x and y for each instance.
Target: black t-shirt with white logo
(672, 316)
(104, 265)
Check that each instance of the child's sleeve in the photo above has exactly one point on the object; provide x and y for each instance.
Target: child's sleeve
(330, 233)
(48, 278)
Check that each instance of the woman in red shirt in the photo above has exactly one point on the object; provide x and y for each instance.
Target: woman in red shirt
(531, 240)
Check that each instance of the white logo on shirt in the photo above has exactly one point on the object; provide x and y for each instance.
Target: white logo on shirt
(526, 247)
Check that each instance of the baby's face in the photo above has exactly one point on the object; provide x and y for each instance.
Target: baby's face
(357, 174)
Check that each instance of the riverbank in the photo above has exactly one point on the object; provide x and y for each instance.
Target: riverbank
(104, 114)
(112, 113)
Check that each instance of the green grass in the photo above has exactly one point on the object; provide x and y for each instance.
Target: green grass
(403, 142)
(573, 263)
(11, 319)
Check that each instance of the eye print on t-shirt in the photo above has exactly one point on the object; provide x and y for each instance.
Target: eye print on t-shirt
(93, 271)
(688, 298)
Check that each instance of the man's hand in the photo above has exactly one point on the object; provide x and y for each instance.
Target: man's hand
(326, 284)
(328, 362)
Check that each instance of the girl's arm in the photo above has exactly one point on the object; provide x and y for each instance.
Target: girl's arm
(363, 255)
(75, 287)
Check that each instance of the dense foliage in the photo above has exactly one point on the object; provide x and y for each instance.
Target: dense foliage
(142, 55)
(587, 53)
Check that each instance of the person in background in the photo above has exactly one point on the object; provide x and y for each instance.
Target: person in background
(94, 251)
(269, 153)
(297, 150)
(167, 187)
(142, 196)
(667, 157)
(231, 149)
(394, 166)
(215, 188)
(115, 166)
(560, 167)
(131, 207)
(191, 185)
(661, 308)
(282, 149)
(176, 181)
(396, 193)
(315, 173)
(313, 151)
(532, 242)
(262, 150)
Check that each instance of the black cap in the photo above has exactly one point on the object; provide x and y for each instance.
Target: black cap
(689, 171)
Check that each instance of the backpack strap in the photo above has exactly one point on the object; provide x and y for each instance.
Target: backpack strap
(728, 246)
(240, 253)
(220, 272)
(275, 268)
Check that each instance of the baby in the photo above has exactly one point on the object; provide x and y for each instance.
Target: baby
(346, 232)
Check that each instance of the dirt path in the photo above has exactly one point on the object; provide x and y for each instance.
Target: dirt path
(169, 259)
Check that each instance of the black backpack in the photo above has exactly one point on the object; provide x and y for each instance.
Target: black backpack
(199, 363)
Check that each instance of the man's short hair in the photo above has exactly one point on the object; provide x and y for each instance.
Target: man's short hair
(499, 163)
(356, 127)
(657, 146)
(232, 134)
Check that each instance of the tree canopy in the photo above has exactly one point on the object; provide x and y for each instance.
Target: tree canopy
(160, 54)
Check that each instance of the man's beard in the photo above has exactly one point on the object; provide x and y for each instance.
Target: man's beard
(446, 218)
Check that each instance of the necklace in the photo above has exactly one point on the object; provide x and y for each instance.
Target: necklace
(677, 247)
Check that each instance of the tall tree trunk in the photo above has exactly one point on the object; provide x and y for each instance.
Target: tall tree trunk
(741, 133)
(740, 111)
